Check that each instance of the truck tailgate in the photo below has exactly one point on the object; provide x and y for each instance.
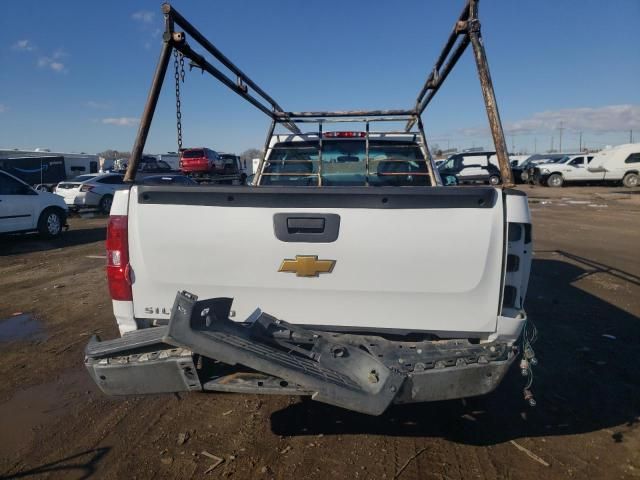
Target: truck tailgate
(406, 259)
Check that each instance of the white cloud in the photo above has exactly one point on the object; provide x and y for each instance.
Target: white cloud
(23, 46)
(603, 119)
(121, 121)
(588, 119)
(50, 62)
(59, 53)
(3, 108)
(143, 16)
(97, 105)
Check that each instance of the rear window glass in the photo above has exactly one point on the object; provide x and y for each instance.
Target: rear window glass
(193, 154)
(111, 179)
(344, 163)
(83, 178)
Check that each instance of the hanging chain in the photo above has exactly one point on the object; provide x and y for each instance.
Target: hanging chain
(178, 64)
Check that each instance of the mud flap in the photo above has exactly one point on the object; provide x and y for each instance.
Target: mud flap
(337, 373)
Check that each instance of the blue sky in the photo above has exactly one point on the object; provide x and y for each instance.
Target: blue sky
(75, 76)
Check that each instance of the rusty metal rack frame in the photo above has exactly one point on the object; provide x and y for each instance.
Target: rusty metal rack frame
(465, 32)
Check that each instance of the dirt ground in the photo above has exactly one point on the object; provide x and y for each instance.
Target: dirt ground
(584, 297)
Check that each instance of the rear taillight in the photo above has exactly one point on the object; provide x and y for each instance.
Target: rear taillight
(344, 135)
(118, 269)
(86, 188)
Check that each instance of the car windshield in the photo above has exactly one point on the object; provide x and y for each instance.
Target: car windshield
(449, 164)
(344, 163)
(193, 154)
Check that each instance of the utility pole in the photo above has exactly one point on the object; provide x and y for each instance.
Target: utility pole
(630, 136)
(560, 128)
(580, 149)
(551, 150)
(535, 144)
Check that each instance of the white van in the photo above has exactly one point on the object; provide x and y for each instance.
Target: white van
(620, 163)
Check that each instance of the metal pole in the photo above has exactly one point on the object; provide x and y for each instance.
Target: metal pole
(427, 154)
(489, 96)
(561, 128)
(366, 155)
(149, 109)
(580, 148)
(320, 154)
(258, 177)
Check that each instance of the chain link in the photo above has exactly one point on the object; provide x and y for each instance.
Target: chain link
(178, 64)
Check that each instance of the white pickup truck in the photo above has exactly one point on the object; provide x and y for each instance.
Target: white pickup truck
(347, 272)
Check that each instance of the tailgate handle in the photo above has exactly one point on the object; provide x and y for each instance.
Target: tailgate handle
(306, 227)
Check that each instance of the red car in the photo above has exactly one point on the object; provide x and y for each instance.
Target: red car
(200, 160)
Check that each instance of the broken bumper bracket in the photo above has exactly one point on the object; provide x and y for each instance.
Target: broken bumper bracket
(272, 356)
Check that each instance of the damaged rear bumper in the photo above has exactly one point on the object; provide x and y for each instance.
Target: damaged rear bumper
(201, 349)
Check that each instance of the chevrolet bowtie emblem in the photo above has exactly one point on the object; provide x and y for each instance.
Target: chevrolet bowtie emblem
(307, 266)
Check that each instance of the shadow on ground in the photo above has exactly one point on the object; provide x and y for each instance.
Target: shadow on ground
(84, 464)
(584, 382)
(33, 242)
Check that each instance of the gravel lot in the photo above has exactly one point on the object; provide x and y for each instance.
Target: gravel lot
(584, 297)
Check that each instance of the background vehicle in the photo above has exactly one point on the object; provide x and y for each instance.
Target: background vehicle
(255, 162)
(515, 160)
(23, 209)
(471, 167)
(570, 168)
(149, 165)
(618, 164)
(523, 173)
(74, 163)
(171, 158)
(91, 191)
(168, 180)
(43, 172)
(233, 165)
(200, 161)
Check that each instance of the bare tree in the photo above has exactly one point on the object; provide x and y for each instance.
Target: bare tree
(250, 154)
(114, 154)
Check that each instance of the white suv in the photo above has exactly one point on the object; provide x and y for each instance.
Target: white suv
(91, 191)
(23, 209)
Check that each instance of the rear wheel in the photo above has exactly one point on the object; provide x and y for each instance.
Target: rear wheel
(555, 180)
(50, 223)
(631, 180)
(105, 204)
(494, 180)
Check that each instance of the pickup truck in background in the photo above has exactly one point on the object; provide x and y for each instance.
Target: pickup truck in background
(619, 164)
(569, 168)
(348, 272)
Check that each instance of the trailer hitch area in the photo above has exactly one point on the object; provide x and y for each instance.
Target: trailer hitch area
(336, 373)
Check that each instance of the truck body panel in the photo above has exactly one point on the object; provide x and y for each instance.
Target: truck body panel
(400, 268)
